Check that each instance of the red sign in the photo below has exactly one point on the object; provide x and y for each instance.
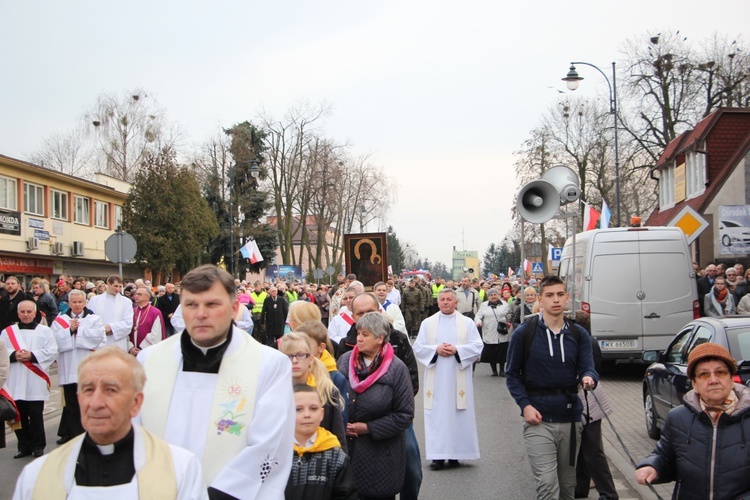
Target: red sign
(21, 265)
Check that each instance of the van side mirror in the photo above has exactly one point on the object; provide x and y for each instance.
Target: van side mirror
(651, 356)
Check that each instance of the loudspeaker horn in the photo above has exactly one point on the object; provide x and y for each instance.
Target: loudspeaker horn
(538, 201)
(565, 181)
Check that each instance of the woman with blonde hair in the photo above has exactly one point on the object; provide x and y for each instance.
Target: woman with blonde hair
(301, 312)
(308, 369)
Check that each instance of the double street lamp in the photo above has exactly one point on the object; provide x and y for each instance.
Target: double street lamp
(572, 80)
(254, 172)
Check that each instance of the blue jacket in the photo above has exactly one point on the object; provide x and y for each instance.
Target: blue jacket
(687, 452)
(569, 363)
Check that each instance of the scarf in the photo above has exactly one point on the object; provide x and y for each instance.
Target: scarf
(361, 376)
(328, 360)
(715, 411)
(721, 295)
(323, 441)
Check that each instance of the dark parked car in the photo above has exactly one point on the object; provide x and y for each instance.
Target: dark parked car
(665, 382)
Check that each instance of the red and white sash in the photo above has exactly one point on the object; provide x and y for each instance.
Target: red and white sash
(345, 316)
(10, 332)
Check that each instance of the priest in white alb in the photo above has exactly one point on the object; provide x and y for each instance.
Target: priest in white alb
(77, 333)
(116, 312)
(114, 459)
(148, 322)
(31, 349)
(448, 344)
(217, 392)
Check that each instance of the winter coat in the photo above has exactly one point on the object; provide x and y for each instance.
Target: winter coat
(489, 317)
(321, 473)
(378, 458)
(401, 348)
(686, 452)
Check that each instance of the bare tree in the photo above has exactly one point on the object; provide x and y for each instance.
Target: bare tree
(127, 127)
(67, 152)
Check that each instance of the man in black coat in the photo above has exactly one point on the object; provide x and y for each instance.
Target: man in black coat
(361, 305)
(9, 303)
(704, 285)
(273, 316)
(167, 304)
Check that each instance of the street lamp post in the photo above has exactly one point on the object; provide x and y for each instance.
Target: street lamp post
(572, 80)
(254, 172)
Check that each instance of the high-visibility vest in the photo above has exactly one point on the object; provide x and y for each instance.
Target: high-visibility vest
(436, 289)
(259, 298)
(291, 296)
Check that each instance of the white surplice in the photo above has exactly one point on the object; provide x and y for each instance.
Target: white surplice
(394, 312)
(270, 435)
(338, 327)
(117, 312)
(22, 383)
(450, 433)
(187, 469)
(72, 349)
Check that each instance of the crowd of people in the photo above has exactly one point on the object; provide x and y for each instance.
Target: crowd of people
(222, 389)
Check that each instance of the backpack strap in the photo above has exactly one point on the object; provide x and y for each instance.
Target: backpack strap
(529, 332)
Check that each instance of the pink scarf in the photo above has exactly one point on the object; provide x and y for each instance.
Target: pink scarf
(360, 386)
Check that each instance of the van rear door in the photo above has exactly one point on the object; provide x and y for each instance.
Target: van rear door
(613, 281)
(667, 289)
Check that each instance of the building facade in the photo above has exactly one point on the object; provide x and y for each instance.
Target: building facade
(53, 223)
(706, 169)
(465, 263)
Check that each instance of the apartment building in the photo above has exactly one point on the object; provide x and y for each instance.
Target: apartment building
(53, 223)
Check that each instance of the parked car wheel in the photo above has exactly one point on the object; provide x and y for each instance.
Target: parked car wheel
(650, 414)
(726, 240)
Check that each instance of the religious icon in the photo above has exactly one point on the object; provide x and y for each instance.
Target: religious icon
(367, 257)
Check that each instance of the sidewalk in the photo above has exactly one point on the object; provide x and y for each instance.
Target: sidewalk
(628, 419)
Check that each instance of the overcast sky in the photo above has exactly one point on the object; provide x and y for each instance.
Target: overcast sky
(439, 93)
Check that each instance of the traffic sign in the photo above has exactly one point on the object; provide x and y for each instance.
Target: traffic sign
(537, 268)
(317, 273)
(691, 223)
(120, 247)
(556, 253)
(330, 270)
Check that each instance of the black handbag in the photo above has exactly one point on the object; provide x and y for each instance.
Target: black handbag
(7, 410)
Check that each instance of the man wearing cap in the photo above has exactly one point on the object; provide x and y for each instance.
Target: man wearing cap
(703, 443)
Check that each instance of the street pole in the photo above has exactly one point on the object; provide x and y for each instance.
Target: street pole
(572, 80)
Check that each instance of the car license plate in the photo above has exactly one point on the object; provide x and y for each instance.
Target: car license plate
(617, 344)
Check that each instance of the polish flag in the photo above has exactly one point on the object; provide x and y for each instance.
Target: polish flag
(526, 266)
(590, 217)
(510, 272)
(252, 252)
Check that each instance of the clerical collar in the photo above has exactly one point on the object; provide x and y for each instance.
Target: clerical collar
(28, 326)
(194, 359)
(204, 350)
(124, 445)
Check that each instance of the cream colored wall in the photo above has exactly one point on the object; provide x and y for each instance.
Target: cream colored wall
(65, 232)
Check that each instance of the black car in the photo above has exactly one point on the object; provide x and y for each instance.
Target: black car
(665, 382)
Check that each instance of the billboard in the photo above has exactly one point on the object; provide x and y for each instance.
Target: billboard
(733, 229)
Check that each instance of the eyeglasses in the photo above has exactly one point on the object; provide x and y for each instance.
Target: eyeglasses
(707, 375)
(720, 283)
(299, 355)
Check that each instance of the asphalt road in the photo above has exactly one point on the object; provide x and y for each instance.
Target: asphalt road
(503, 471)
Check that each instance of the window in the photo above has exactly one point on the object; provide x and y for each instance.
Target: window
(118, 216)
(8, 193)
(696, 174)
(81, 210)
(59, 204)
(101, 214)
(677, 352)
(666, 188)
(33, 199)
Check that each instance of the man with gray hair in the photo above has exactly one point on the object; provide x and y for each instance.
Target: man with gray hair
(114, 459)
(77, 333)
(448, 344)
(32, 349)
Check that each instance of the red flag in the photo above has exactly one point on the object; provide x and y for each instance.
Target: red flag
(590, 217)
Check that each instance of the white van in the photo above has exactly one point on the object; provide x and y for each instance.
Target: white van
(637, 284)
